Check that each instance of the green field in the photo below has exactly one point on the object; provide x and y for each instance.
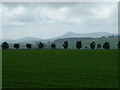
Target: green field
(60, 68)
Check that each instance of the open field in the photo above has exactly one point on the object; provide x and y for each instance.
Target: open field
(60, 68)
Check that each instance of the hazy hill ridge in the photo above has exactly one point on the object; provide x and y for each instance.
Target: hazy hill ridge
(66, 35)
(92, 35)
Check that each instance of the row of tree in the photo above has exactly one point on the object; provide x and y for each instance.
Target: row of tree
(41, 45)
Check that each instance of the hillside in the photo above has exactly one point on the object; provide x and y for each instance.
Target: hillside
(86, 41)
(113, 40)
(71, 37)
(92, 35)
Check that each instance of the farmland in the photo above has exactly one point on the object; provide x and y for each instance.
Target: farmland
(59, 68)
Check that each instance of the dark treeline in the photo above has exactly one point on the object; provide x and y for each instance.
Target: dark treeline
(65, 45)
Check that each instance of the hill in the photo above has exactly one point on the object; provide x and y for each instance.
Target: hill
(92, 35)
(71, 37)
(113, 40)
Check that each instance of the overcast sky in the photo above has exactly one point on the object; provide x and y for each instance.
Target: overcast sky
(52, 19)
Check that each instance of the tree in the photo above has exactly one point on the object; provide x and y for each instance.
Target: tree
(53, 46)
(119, 45)
(65, 45)
(92, 45)
(78, 44)
(5, 45)
(16, 46)
(41, 45)
(28, 46)
(106, 45)
(98, 45)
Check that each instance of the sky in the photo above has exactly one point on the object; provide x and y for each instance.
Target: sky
(52, 19)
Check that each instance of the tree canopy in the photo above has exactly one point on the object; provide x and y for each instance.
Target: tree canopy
(78, 44)
(28, 46)
(41, 45)
(53, 46)
(106, 45)
(92, 45)
(119, 44)
(16, 46)
(98, 45)
(5, 45)
(65, 45)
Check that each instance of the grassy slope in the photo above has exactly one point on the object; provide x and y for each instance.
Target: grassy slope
(60, 68)
(86, 42)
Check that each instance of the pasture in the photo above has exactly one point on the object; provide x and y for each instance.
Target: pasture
(59, 68)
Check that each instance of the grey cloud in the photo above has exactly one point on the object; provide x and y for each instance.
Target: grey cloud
(78, 17)
(41, 4)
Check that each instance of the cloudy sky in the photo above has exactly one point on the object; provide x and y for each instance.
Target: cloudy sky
(52, 19)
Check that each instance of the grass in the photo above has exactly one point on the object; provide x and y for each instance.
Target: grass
(60, 68)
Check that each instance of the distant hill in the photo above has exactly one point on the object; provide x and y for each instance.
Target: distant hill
(66, 35)
(113, 40)
(92, 35)
(28, 39)
(71, 37)
(7, 40)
